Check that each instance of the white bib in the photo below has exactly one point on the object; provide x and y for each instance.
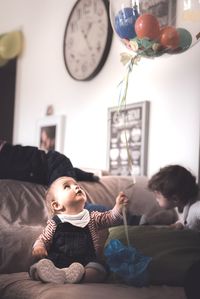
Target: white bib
(80, 220)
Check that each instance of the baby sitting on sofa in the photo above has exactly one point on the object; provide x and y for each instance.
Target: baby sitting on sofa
(69, 246)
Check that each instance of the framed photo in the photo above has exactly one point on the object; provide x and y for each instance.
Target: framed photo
(128, 139)
(199, 169)
(50, 133)
(164, 10)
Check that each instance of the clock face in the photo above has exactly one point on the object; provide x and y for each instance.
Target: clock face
(87, 38)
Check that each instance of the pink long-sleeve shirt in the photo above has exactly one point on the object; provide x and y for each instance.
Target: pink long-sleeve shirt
(98, 221)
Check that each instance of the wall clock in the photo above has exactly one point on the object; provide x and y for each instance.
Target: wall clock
(87, 38)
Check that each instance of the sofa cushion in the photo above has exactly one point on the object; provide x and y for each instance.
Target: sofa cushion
(22, 203)
(172, 251)
(15, 247)
(20, 286)
(141, 200)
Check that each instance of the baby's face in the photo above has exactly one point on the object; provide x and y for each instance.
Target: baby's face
(69, 195)
(163, 201)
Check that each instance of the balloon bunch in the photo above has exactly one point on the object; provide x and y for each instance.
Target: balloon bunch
(144, 35)
(140, 27)
(10, 46)
(150, 29)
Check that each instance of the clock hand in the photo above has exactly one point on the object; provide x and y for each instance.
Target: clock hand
(89, 27)
(86, 39)
(88, 44)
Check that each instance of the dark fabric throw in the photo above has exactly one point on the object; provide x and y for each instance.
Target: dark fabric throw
(24, 163)
(30, 164)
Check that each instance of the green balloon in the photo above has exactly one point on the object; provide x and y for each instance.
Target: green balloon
(185, 39)
(10, 44)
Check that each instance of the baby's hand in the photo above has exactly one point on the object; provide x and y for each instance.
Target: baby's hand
(177, 225)
(121, 201)
(39, 251)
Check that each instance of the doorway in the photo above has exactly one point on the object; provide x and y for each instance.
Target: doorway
(7, 99)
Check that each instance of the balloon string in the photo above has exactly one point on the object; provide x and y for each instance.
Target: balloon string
(130, 160)
(124, 83)
(123, 90)
(125, 225)
(122, 103)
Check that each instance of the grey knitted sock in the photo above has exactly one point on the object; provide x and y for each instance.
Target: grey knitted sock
(74, 273)
(46, 271)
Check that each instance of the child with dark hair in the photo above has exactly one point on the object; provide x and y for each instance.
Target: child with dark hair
(70, 246)
(175, 186)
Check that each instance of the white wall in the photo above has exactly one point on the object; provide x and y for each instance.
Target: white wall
(171, 84)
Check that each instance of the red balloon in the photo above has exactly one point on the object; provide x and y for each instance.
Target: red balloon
(169, 37)
(147, 26)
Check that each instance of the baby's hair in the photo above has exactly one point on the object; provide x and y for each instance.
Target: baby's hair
(49, 197)
(175, 181)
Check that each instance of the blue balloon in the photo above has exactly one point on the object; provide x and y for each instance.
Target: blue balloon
(125, 22)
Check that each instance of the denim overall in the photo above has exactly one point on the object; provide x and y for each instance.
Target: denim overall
(71, 244)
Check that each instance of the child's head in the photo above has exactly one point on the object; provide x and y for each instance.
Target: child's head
(174, 186)
(65, 196)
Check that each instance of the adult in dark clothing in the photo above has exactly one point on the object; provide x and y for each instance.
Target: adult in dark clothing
(192, 281)
(28, 163)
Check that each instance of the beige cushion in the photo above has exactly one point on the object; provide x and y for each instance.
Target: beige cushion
(141, 200)
(172, 251)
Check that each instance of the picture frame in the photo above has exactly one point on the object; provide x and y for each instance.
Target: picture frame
(50, 133)
(163, 10)
(128, 139)
(199, 168)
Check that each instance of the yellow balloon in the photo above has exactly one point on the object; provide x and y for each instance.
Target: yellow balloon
(11, 44)
(3, 61)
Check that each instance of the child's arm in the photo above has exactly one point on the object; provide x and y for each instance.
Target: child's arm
(44, 240)
(39, 251)
(177, 225)
(112, 217)
(121, 201)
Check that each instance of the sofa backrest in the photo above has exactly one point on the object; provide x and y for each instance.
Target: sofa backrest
(23, 203)
(141, 200)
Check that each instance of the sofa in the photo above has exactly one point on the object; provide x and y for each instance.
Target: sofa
(23, 215)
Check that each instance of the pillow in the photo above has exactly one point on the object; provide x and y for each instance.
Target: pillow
(22, 203)
(172, 251)
(15, 247)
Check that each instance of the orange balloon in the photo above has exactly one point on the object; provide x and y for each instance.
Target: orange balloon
(147, 26)
(169, 37)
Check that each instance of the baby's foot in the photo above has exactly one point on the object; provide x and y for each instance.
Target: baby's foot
(46, 271)
(74, 273)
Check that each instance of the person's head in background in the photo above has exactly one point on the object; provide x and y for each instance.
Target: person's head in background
(174, 186)
(47, 138)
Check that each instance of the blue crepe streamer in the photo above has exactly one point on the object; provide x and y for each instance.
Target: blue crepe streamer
(128, 263)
